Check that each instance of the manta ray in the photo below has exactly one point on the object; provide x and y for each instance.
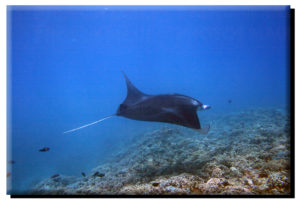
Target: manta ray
(169, 108)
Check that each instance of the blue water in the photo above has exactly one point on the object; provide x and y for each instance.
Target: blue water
(65, 63)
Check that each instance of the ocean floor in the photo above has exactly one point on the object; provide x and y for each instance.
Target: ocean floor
(245, 153)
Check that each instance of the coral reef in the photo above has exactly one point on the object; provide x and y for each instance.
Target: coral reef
(245, 153)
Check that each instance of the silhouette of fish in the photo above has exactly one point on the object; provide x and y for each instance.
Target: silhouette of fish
(44, 149)
(229, 101)
(83, 174)
(97, 174)
(54, 176)
(169, 108)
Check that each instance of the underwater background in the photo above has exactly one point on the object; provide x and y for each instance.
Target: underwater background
(64, 71)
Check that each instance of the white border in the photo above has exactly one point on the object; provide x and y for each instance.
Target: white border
(4, 3)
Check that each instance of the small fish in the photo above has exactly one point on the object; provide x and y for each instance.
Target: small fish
(54, 176)
(44, 149)
(229, 101)
(8, 174)
(11, 162)
(155, 184)
(97, 174)
(83, 174)
(101, 175)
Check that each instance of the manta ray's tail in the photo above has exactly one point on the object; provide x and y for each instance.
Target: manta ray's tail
(69, 131)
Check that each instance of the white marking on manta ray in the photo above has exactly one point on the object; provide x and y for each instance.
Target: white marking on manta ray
(144, 97)
(194, 102)
(168, 109)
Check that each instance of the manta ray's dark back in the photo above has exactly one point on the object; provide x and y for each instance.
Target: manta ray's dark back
(169, 108)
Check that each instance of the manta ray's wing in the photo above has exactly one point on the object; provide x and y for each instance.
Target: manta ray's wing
(182, 116)
(134, 95)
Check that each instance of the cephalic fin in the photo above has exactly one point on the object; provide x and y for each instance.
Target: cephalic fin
(69, 131)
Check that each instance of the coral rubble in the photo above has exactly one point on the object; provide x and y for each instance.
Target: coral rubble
(245, 153)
